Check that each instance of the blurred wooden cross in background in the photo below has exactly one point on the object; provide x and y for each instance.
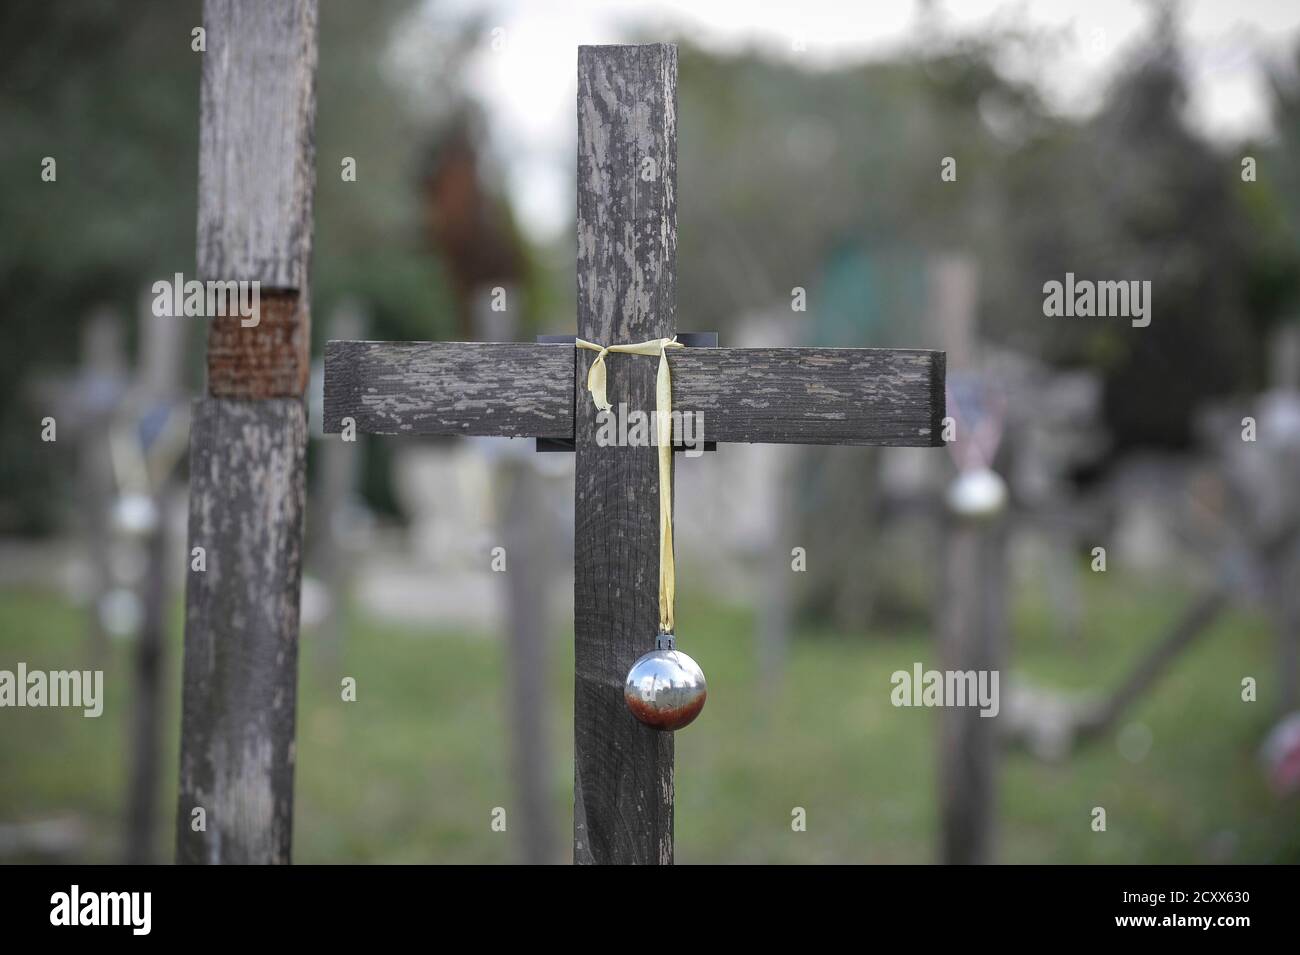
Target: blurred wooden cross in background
(627, 243)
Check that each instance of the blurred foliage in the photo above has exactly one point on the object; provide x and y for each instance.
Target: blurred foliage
(787, 174)
(1134, 193)
(369, 242)
(830, 180)
(111, 91)
(109, 94)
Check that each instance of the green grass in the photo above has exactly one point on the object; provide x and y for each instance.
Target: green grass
(412, 770)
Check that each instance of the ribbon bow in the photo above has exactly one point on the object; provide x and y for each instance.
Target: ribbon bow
(596, 385)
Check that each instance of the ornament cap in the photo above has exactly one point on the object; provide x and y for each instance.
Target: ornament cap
(665, 641)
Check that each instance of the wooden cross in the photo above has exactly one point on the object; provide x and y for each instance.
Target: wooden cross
(627, 244)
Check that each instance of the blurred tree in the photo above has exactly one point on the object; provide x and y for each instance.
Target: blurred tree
(1134, 193)
(370, 243)
(111, 96)
(830, 180)
(1272, 202)
(110, 90)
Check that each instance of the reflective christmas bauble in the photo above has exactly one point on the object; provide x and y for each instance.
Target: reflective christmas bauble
(978, 495)
(665, 688)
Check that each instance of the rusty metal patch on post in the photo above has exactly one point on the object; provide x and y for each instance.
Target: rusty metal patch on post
(266, 360)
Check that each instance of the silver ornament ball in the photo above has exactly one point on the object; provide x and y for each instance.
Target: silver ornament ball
(665, 688)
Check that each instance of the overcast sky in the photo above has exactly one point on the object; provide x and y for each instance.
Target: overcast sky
(528, 84)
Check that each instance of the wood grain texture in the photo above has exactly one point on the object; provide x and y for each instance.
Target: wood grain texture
(256, 141)
(627, 247)
(241, 630)
(470, 388)
(872, 396)
(776, 395)
(247, 458)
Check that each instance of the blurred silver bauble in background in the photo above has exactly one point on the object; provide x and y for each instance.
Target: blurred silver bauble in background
(665, 688)
(979, 494)
(134, 515)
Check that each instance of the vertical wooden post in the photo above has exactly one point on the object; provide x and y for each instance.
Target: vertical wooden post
(973, 612)
(337, 478)
(1285, 603)
(973, 634)
(248, 438)
(775, 610)
(525, 529)
(104, 365)
(158, 385)
(627, 245)
(1285, 610)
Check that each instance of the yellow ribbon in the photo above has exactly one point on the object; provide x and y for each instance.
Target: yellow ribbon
(596, 382)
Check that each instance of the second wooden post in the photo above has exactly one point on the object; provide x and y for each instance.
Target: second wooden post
(248, 439)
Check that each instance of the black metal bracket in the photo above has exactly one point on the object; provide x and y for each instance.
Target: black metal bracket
(689, 339)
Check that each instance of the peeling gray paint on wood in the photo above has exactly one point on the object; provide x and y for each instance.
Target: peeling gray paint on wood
(502, 389)
(860, 396)
(241, 630)
(247, 457)
(257, 154)
(627, 245)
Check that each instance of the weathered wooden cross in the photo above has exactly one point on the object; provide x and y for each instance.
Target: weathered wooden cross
(627, 244)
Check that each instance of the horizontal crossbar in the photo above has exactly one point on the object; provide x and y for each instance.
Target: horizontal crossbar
(863, 396)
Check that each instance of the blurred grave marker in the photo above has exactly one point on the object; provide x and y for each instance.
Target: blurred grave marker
(128, 429)
(973, 598)
(1017, 418)
(151, 438)
(521, 511)
(337, 514)
(84, 411)
(1258, 510)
